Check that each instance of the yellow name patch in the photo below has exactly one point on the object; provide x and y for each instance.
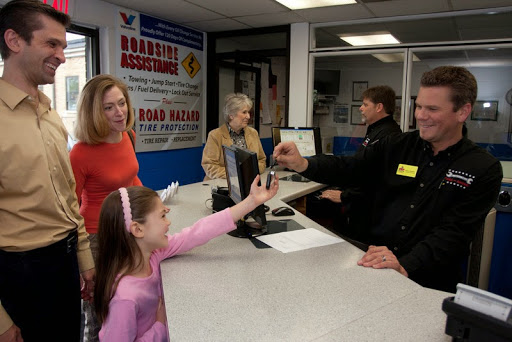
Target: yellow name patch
(407, 170)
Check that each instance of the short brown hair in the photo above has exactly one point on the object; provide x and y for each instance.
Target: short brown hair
(461, 82)
(23, 16)
(381, 94)
(92, 126)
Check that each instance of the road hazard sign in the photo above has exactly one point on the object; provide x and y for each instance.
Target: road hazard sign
(191, 65)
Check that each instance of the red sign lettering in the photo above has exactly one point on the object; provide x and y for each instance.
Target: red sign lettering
(59, 5)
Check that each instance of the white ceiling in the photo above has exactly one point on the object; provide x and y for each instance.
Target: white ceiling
(227, 15)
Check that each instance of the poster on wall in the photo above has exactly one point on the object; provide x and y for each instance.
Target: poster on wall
(161, 63)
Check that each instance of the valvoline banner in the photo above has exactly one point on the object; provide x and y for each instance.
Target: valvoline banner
(162, 65)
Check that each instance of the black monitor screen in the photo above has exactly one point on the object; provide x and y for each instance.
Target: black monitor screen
(307, 139)
(241, 169)
(327, 82)
(232, 174)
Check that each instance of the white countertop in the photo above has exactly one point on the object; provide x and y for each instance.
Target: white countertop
(228, 290)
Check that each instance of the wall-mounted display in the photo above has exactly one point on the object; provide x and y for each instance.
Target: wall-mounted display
(485, 111)
(327, 82)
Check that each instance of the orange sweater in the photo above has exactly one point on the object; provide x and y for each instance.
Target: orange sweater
(99, 170)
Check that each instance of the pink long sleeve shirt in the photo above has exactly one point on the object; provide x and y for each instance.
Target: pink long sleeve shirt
(132, 310)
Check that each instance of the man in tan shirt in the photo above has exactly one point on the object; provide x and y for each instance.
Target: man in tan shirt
(43, 242)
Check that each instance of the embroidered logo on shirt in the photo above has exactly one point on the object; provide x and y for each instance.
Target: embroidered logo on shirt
(458, 178)
(407, 170)
(366, 141)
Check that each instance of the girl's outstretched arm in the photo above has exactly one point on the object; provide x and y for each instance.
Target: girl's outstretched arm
(257, 196)
(216, 224)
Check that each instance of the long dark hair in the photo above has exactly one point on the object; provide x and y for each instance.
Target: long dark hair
(118, 252)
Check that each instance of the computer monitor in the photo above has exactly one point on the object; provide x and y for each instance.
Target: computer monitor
(307, 139)
(241, 169)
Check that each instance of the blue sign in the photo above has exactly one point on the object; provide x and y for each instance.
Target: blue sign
(155, 28)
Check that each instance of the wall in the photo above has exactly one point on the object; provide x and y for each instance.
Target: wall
(493, 84)
(299, 73)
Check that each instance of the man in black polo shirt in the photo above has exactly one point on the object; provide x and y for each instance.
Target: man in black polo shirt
(352, 215)
(433, 187)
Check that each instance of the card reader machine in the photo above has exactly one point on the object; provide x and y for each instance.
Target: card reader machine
(478, 315)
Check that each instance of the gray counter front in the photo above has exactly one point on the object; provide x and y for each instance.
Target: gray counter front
(229, 290)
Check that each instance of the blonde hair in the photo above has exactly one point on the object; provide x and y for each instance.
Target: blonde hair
(234, 103)
(92, 126)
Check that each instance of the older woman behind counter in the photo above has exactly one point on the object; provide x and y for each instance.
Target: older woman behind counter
(234, 132)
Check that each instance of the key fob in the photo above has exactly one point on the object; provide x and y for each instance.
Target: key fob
(269, 178)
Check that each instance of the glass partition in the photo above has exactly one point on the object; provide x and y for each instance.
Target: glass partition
(338, 81)
(489, 125)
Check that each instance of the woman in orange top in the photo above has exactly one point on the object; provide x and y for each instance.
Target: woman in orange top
(104, 158)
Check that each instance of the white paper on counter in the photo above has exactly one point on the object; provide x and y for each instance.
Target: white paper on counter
(298, 240)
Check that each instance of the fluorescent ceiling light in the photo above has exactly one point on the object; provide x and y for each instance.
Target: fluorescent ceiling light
(300, 4)
(393, 57)
(370, 39)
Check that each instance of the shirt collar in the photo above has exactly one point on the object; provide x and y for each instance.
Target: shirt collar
(231, 131)
(450, 151)
(13, 96)
(380, 122)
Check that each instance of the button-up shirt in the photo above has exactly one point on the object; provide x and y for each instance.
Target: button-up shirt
(38, 203)
(238, 138)
(427, 208)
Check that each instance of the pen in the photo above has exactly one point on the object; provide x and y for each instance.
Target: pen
(273, 163)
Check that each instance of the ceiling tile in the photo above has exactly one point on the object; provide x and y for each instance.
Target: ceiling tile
(474, 4)
(485, 26)
(220, 15)
(217, 25)
(334, 13)
(231, 8)
(427, 30)
(407, 7)
(273, 19)
(252, 42)
(177, 11)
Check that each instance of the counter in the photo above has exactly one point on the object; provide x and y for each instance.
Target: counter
(228, 290)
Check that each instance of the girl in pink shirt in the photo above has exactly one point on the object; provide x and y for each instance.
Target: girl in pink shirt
(132, 242)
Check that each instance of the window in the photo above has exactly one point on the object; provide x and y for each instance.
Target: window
(71, 92)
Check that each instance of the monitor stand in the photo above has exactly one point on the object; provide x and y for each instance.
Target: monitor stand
(296, 178)
(277, 226)
(253, 229)
(286, 225)
(248, 230)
